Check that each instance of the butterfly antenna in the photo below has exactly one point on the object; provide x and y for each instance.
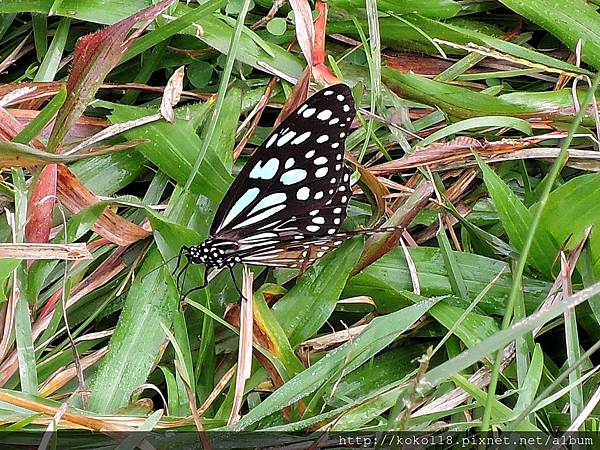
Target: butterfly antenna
(161, 265)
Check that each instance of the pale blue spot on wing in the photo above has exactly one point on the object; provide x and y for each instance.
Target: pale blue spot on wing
(239, 206)
(259, 217)
(268, 201)
(293, 176)
(267, 171)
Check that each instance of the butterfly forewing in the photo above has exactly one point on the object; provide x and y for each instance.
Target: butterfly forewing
(295, 184)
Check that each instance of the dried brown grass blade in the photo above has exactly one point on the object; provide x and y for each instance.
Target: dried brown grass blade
(374, 189)
(75, 197)
(192, 402)
(91, 423)
(172, 94)
(72, 252)
(254, 116)
(245, 347)
(305, 31)
(381, 243)
(299, 95)
(63, 375)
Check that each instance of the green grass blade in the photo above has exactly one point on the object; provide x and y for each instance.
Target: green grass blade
(42, 119)
(49, 66)
(212, 124)
(581, 18)
(40, 35)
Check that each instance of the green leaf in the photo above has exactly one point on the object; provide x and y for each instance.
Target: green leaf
(516, 220)
(49, 66)
(378, 335)
(42, 119)
(138, 338)
(568, 20)
(306, 307)
(199, 73)
(277, 26)
(388, 278)
(454, 100)
(439, 9)
(499, 410)
(571, 208)
(504, 337)
(173, 147)
(267, 322)
(531, 382)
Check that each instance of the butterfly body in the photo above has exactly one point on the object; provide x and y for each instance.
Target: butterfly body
(286, 205)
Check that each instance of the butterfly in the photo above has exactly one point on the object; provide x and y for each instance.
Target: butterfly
(285, 207)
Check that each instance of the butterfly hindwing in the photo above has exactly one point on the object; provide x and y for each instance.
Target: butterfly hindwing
(299, 169)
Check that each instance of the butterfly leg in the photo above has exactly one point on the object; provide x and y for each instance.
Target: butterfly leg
(197, 288)
(305, 262)
(235, 284)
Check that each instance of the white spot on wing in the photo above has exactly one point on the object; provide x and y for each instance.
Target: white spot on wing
(319, 195)
(327, 92)
(318, 220)
(313, 228)
(287, 137)
(300, 139)
(320, 160)
(271, 140)
(340, 97)
(309, 112)
(303, 193)
(323, 138)
(309, 154)
(320, 173)
(334, 121)
(324, 115)
(289, 163)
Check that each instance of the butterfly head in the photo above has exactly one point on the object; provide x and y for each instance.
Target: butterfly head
(213, 253)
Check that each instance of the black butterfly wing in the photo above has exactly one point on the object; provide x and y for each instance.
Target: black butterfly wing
(299, 169)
